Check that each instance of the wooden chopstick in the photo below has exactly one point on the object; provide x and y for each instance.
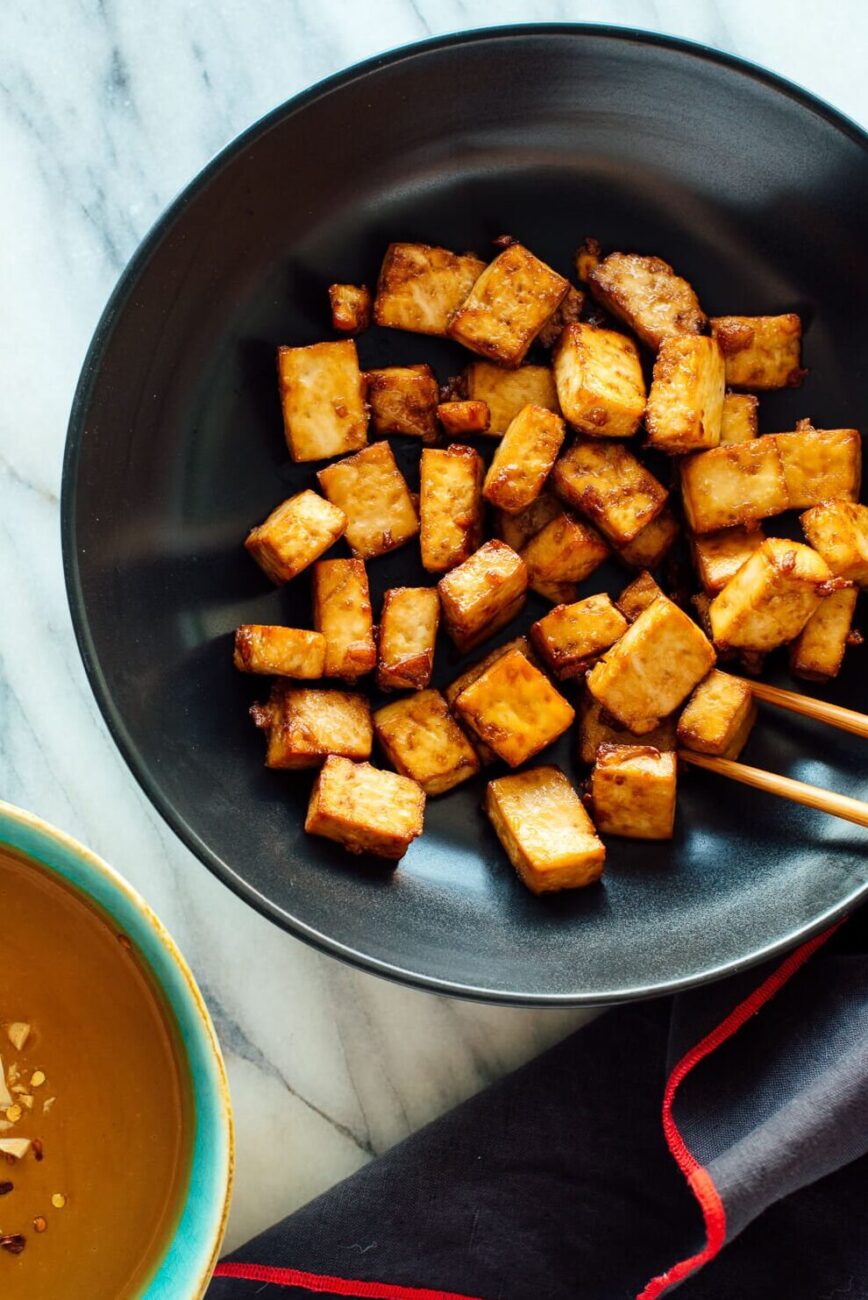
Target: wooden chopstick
(839, 805)
(821, 710)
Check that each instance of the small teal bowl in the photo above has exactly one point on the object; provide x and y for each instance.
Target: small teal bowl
(185, 1268)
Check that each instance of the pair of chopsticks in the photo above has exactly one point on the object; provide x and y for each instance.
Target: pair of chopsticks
(839, 805)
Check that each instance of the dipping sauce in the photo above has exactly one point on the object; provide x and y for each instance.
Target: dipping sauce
(99, 1085)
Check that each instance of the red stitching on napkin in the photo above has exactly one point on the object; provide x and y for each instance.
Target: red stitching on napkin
(337, 1285)
(698, 1177)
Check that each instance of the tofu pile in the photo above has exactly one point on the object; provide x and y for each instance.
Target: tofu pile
(626, 364)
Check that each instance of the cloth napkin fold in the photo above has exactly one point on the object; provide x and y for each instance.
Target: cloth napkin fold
(714, 1143)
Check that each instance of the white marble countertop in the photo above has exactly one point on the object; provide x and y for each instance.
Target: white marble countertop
(108, 107)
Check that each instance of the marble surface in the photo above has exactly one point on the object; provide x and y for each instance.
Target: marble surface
(107, 108)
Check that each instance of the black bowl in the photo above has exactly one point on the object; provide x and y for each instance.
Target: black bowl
(754, 190)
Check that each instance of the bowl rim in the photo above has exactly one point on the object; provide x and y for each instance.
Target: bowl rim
(184, 999)
(702, 53)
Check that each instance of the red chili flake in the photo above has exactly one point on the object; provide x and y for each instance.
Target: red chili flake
(36, 1147)
(14, 1243)
(5, 1188)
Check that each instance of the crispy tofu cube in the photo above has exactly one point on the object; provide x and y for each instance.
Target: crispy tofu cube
(421, 286)
(323, 397)
(464, 417)
(304, 725)
(542, 824)
(820, 465)
(508, 306)
(514, 709)
(562, 555)
(342, 612)
(685, 404)
(737, 484)
(719, 556)
(839, 531)
(450, 506)
(279, 651)
(649, 548)
(719, 716)
(408, 632)
(606, 482)
(351, 307)
(740, 419)
(633, 791)
(373, 494)
(647, 294)
(637, 596)
(454, 689)
(818, 651)
(517, 530)
(364, 809)
(571, 638)
(403, 399)
(482, 594)
(295, 534)
(652, 668)
(523, 459)
(596, 728)
(601, 389)
(752, 661)
(772, 596)
(420, 737)
(506, 392)
(760, 351)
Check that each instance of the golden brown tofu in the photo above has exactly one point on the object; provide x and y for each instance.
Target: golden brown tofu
(772, 596)
(279, 651)
(295, 534)
(649, 548)
(820, 465)
(740, 419)
(752, 661)
(606, 482)
(818, 651)
(351, 307)
(421, 286)
(562, 555)
(454, 689)
(408, 632)
(652, 668)
(523, 459)
(637, 596)
(542, 824)
(633, 790)
(760, 351)
(482, 594)
(342, 612)
(505, 392)
(596, 728)
(508, 306)
(514, 709)
(373, 494)
(737, 484)
(601, 389)
(517, 530)
(403, 399)
(322, 392)
(450, 505)
(304, 725)
(420, 737)
(719, 716)
(646, 293)
(685, 404)
(464, 417)
(839, 531)
(364, 809)
(571, 638)
(719, 556)
(567, 314)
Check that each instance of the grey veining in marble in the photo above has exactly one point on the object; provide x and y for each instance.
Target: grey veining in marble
(107, 108)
